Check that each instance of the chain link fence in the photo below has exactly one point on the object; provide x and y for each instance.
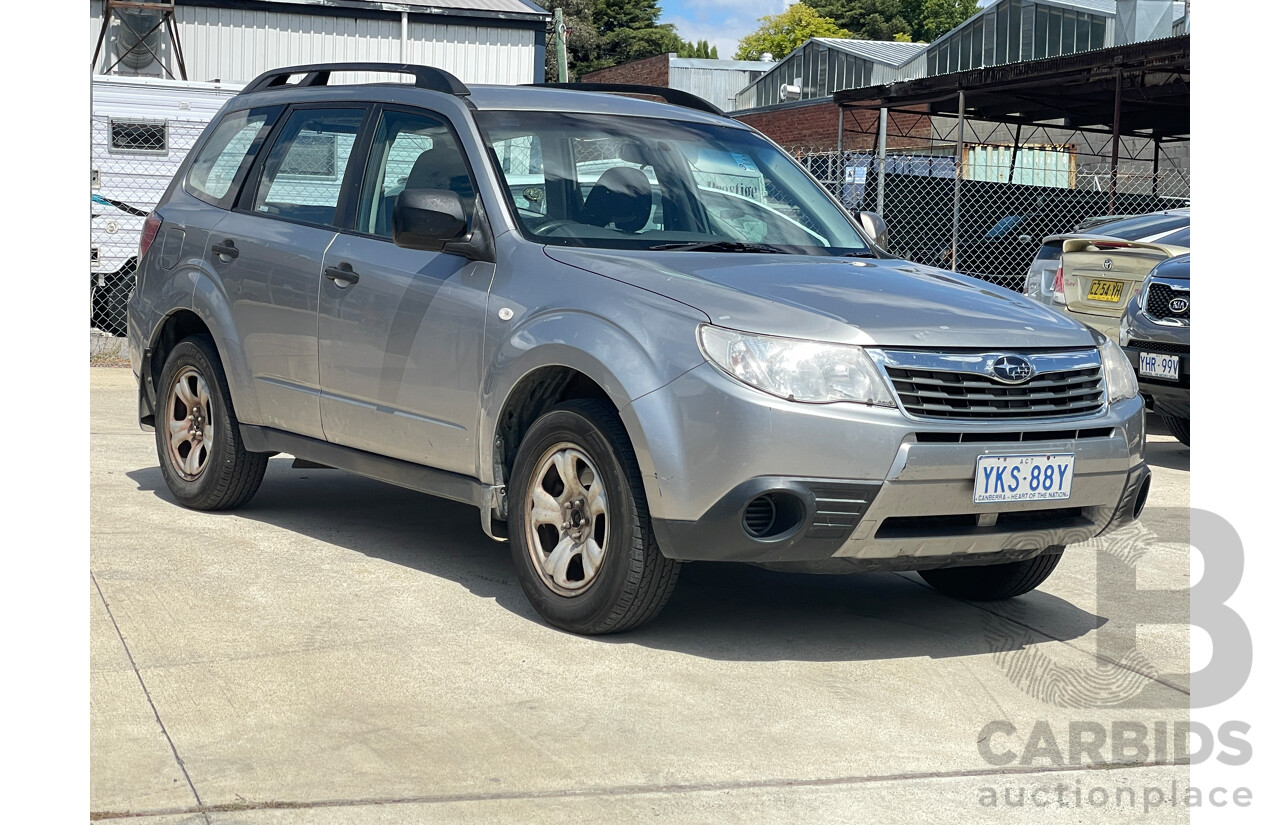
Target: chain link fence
(990, 225)
(132, 161)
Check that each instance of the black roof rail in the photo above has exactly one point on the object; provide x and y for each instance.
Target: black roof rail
(676, 97)
(425, 77)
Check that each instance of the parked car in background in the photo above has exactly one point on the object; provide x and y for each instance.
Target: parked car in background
(1149, 228)
(1098, 276)
(1155, 334)
(1000, 254)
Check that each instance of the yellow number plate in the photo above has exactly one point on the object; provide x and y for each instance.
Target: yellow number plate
(1106, 291)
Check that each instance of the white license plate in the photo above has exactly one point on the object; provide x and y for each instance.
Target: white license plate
(1156, 365)
(1023, 477)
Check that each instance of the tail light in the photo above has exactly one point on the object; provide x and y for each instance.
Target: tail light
(150, 228)
(1059, 293)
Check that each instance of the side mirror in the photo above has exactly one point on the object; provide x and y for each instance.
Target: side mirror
(874, 225)
(1024, 239)
(427, 219)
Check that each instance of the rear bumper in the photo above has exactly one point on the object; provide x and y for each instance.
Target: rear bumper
(1108, 325)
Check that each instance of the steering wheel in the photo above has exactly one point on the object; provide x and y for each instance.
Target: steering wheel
(551, 225)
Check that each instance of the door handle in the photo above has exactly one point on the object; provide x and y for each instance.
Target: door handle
(342, 272)
(226, 249)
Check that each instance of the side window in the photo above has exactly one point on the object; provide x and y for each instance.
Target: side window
(227, 154)
(411, 151)
(302, 176)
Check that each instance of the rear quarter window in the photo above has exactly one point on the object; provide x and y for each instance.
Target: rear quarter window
(219, 168)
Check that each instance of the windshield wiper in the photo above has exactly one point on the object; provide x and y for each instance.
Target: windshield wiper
(866, 253)
(720, 246)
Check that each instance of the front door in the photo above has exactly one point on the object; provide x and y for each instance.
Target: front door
(400, 330)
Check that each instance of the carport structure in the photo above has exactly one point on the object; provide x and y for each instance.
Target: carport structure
(1133, 99)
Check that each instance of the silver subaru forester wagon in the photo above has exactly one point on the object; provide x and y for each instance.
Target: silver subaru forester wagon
(630, 333)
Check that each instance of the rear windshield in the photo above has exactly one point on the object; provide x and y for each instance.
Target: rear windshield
(1142, 226)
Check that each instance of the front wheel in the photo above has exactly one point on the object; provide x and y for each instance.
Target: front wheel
(992, 582)
(202, 459)
(583, 549)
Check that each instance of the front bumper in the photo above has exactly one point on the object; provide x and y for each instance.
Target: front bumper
(875, 490)
(1171, 398)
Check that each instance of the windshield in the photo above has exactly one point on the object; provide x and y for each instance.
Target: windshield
(644, 183)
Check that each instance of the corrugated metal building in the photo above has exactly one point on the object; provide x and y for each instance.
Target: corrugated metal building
(480, 41)
(823, 65)
(715, 80)
(1006, 31)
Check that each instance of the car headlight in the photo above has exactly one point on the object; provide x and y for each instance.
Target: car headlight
(795, 369)
(1116, 369)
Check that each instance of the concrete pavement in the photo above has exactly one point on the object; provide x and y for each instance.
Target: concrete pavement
(342, 651)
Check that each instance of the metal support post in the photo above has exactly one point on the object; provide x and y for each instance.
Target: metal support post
(880, 153)
(955, 206)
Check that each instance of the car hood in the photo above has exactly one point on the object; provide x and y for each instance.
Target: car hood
(845, 300)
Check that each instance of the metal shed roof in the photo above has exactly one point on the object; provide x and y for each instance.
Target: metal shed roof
(721, 65)
(480, 8)
(1079, 89)
(881, 51)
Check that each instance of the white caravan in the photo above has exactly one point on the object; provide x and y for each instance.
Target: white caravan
(142, 128)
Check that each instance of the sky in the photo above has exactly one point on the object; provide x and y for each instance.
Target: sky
(722, 23)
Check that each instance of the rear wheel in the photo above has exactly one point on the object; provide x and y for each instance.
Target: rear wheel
(202, 458)
(583, 549)
(1180, 427)
(994, 581)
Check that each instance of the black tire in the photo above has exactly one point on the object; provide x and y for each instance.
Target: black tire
(992, 582)
(1180, 427)
(221, 474)
(632, 580)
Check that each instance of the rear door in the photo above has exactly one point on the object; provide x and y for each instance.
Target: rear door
(269, 252)
(401, 330)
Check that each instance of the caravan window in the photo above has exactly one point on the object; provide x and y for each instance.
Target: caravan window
(140, 137)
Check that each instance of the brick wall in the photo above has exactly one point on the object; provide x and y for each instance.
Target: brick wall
(813, 125)
(651, 71)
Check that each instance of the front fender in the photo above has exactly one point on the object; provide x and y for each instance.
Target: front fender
(630, 352)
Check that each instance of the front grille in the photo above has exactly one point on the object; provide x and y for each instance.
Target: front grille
(1160, 346)
(918, 527)
(968, 395)
(983, 437)
(1158, 298)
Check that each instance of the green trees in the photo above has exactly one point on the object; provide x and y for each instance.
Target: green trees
(603, 33)
(912, 20)
(582, 42)
(779, 34)
(629, 30)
